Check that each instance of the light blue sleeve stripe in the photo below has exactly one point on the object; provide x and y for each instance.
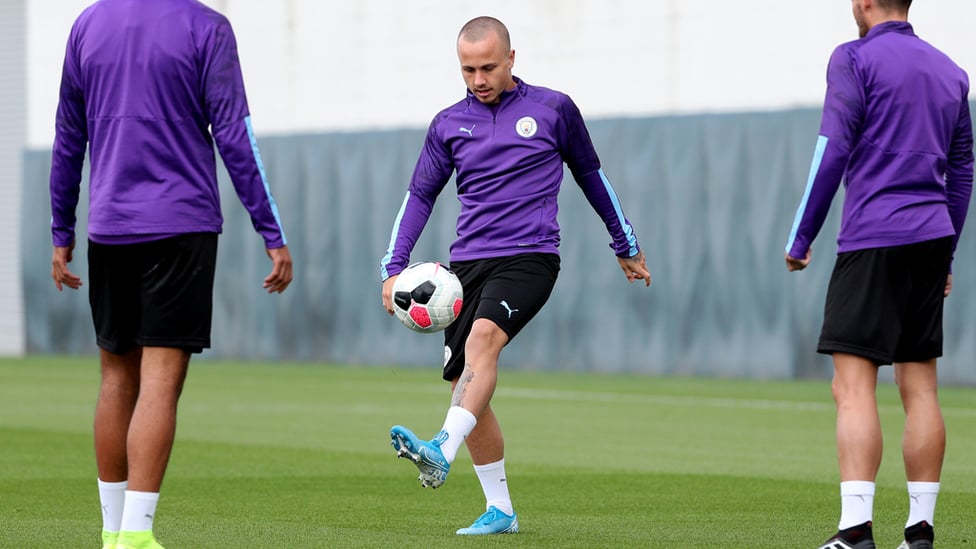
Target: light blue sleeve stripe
(628, 230)
(818, 154)
(264, 178)
(393, 238)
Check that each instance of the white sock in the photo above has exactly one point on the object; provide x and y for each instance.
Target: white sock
(921, 502)
(140, 508)
(495, 486)
(856, 503)
(112, 497)
(459, 423)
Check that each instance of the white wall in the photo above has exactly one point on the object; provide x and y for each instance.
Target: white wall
(321, 65)
(12, 135)
(314, 65)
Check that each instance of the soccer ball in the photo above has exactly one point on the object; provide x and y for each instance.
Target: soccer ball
(427, 297)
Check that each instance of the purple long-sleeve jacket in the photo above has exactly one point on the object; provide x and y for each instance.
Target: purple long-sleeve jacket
(896, 128)
(509, 162)
(149, 87)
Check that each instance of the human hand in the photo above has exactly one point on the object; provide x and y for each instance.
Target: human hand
(59, 267)
(388, 293)
(635, 268)
(794, 264)
(281, 270)
(948, 286)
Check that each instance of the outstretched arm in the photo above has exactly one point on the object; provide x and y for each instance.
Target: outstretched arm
(577, 151)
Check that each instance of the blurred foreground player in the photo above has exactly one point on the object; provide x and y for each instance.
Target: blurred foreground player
(896, 128)
(148, 87)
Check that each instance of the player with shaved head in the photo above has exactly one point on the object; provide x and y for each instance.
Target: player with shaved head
(506, 141)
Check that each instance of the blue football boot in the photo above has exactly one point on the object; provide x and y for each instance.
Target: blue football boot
(493, 521)
(427, 456)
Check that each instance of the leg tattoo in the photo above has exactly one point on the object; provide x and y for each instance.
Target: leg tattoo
(462, 385)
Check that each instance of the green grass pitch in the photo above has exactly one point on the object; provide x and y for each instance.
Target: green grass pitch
(298, 455)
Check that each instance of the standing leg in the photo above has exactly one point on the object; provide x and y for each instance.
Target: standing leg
(859, 442)
(487, 448)
(923, 445)
(153, 425)
(486, 445)
(150, 440)
(113, 412)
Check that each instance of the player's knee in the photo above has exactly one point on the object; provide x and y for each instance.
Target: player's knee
(485, 337)
(849, 392)
(915, 396)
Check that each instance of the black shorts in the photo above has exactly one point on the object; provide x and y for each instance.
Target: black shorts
(156, 294)
(509, 291)
(885, 304)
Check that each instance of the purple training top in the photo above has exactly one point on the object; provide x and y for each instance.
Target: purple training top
(144, 84)
(509, 160)
(896, 127)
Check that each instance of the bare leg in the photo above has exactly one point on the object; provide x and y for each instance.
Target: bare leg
(153, 425)
(474, 389)
(486, 443)
(923, 446)
(113, 412)
(859, 440)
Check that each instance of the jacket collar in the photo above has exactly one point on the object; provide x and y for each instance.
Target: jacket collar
(901, 27)
(505, 97)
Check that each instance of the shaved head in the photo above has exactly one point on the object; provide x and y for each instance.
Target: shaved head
(486, 56)
(480, 28)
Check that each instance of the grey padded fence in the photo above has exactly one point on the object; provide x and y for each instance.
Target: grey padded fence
(712, 198)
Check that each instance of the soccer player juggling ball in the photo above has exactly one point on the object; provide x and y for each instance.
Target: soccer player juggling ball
(148, 87)
(507, 140)
(896, 129)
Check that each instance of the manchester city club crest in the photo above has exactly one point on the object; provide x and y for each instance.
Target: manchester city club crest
(526, 126)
